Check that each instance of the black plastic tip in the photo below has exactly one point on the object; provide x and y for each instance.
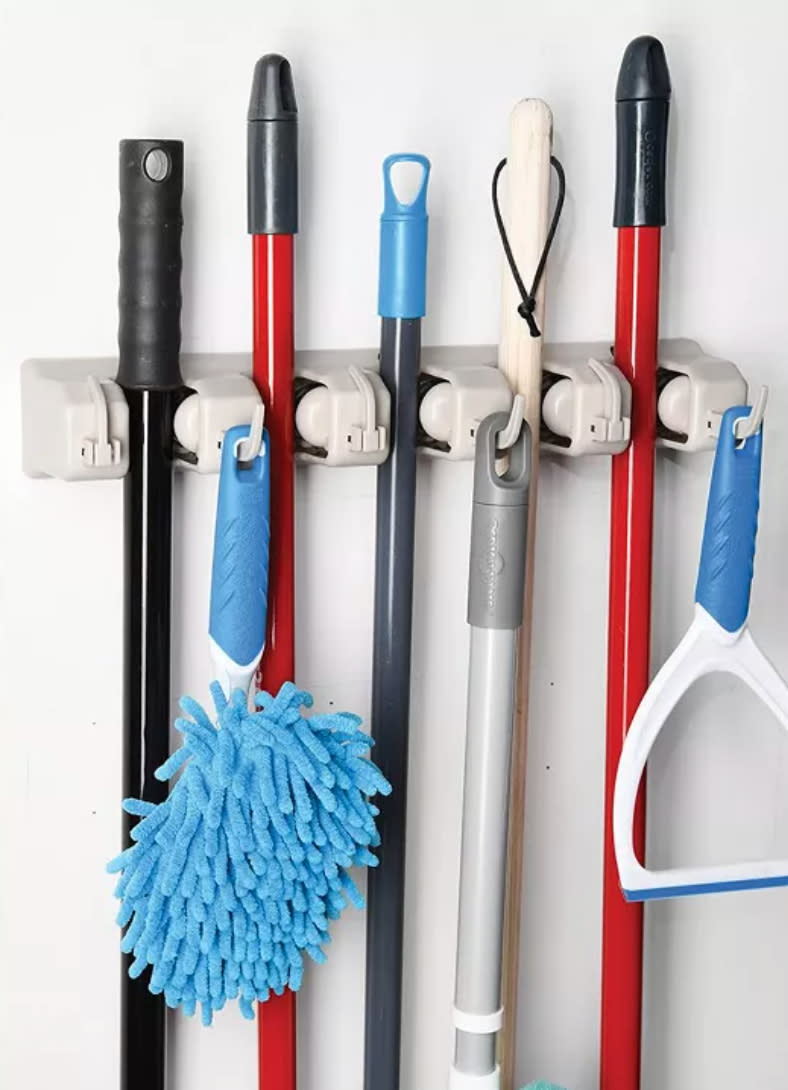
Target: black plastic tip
(644, 72)
(642, 104)
(272, 149)
(273, 94)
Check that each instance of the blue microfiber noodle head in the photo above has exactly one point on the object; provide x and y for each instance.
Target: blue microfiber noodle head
(237, 874)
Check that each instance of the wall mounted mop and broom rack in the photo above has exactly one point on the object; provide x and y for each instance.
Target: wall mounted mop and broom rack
(92, 419)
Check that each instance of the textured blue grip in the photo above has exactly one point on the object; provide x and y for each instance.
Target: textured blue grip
(239, 581)
(402, 283)
(728, 552)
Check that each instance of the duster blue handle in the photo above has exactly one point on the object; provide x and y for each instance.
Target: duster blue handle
(728, 551)
(402, 290)
(239, 581)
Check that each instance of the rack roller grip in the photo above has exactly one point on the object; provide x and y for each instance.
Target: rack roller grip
(151, 187)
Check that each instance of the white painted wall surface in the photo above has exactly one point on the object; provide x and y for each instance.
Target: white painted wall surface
(437, 77)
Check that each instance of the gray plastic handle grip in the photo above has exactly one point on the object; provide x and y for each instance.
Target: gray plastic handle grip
(496, 579)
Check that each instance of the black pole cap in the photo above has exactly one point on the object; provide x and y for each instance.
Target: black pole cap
(272, 149)
(642, 103)
(644, 71)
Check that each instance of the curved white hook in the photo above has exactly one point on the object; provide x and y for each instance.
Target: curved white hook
(744, 427)
(506, 439)
(249, 448)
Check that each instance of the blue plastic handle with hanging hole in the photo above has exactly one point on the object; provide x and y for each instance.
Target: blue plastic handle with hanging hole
(239, 581)
(402, 291)
(728, 551)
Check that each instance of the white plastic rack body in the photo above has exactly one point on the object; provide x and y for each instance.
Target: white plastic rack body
(76, 428)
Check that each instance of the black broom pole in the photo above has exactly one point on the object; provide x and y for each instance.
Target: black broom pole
(149, 334)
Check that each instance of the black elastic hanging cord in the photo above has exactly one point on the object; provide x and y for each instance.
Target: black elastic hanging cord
(528, 304)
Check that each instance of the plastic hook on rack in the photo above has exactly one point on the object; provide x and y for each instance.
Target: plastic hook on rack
(615, 426)
(103, 450)
(249, 448)
(744, 427)
(372, 436)
(506, 439)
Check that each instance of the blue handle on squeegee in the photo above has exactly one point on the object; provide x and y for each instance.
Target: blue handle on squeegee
(239, 580)
(402, 291)
(728, 551)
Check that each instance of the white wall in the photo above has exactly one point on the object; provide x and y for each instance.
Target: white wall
(437, 77)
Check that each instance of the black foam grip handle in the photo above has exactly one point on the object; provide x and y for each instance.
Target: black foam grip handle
(642, 103)
(149, 299)
(272, 149)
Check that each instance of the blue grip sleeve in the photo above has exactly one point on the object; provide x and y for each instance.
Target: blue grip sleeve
(728, 551)
(402, 282)
(239, 580)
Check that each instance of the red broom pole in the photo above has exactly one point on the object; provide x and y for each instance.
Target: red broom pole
(273, 222)
(642, 98)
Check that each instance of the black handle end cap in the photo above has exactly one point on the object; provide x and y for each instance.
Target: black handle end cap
(273, 94)
(642, 107)
(643, 74)
(272, 149)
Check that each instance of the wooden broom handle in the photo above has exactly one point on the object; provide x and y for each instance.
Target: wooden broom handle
(527, 178)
